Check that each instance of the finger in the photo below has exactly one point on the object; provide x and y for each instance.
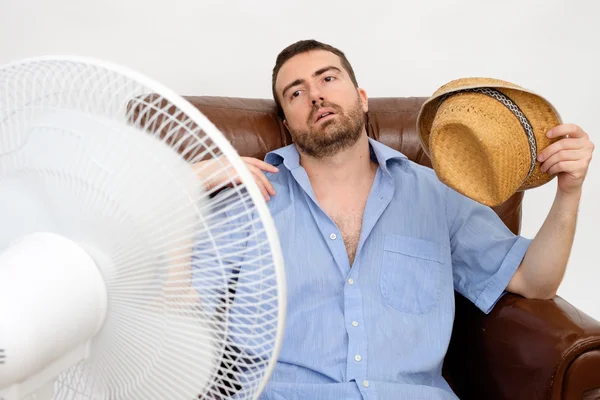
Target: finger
(262, 182)
(564, 155)
(261, 164)
(262, 188)
(566, 166)
(572, 130)
(259, 174)
(264, 192)
(561, 145)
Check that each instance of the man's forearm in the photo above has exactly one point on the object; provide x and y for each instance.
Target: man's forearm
(544, 264)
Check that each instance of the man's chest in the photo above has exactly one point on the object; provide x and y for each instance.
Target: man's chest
(346, 212)
(349, 223)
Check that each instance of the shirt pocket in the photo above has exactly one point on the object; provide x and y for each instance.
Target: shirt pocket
(411, 274)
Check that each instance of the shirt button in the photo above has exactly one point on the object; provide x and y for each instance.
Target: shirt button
(357, 357)
(354, 323)
(333, 236)
(351, 281)
(366, 384)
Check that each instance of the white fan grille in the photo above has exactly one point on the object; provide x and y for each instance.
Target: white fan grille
(194, 277)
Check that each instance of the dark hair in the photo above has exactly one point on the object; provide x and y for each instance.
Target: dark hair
(300, 47)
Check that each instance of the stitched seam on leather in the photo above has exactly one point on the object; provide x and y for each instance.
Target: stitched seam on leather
(272, 112)
(282, 135)
(571, 351)
(252, 110)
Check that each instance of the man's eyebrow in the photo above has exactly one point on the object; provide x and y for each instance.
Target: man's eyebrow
(291, 85)
(323, 70)
(315, 74)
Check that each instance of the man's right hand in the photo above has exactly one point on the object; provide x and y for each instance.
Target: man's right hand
(219, 171)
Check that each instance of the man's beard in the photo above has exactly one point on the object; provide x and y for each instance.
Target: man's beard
(333, 136)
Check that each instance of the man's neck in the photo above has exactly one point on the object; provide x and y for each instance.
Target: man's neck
(348, 167)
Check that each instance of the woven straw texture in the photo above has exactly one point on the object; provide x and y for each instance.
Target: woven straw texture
(477, 146)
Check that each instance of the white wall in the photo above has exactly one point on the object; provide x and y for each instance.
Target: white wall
(398, 48)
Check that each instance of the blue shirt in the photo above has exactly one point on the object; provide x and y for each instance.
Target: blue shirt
(380, 329)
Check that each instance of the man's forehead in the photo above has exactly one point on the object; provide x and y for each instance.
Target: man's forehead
(303, 65)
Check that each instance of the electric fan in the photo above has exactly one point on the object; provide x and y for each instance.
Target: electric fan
(123, 274)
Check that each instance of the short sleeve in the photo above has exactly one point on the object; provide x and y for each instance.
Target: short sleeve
(485, 253)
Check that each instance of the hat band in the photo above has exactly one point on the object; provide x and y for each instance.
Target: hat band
(514, 109)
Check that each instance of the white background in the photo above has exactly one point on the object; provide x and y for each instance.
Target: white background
(397, 48)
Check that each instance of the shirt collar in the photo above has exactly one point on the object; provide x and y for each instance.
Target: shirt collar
(290, 157)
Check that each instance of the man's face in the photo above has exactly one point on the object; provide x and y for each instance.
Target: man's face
(324, 111)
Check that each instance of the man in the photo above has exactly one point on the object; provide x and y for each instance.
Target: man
(375, 245)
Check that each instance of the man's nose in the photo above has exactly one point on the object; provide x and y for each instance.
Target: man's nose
(316, 96)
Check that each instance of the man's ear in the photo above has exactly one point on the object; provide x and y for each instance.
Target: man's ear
(364, 99)
(285, 124)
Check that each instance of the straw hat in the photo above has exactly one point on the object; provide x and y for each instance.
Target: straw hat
(483, 137)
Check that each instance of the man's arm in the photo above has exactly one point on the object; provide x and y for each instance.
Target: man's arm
(545, 262)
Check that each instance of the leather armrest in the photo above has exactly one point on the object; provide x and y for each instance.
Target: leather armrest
(524, 349)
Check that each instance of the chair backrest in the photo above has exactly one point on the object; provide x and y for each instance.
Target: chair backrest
(253, 128)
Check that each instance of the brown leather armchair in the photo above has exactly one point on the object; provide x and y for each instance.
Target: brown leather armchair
(524, 349)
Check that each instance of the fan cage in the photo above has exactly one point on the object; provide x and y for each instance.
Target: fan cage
(200, 280)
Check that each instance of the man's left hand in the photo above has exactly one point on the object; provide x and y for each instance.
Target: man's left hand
(568, 157)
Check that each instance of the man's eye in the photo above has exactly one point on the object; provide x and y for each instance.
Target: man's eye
(295, 94)
(329, 78)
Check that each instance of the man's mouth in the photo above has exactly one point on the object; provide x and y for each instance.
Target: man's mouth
(324, 114)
